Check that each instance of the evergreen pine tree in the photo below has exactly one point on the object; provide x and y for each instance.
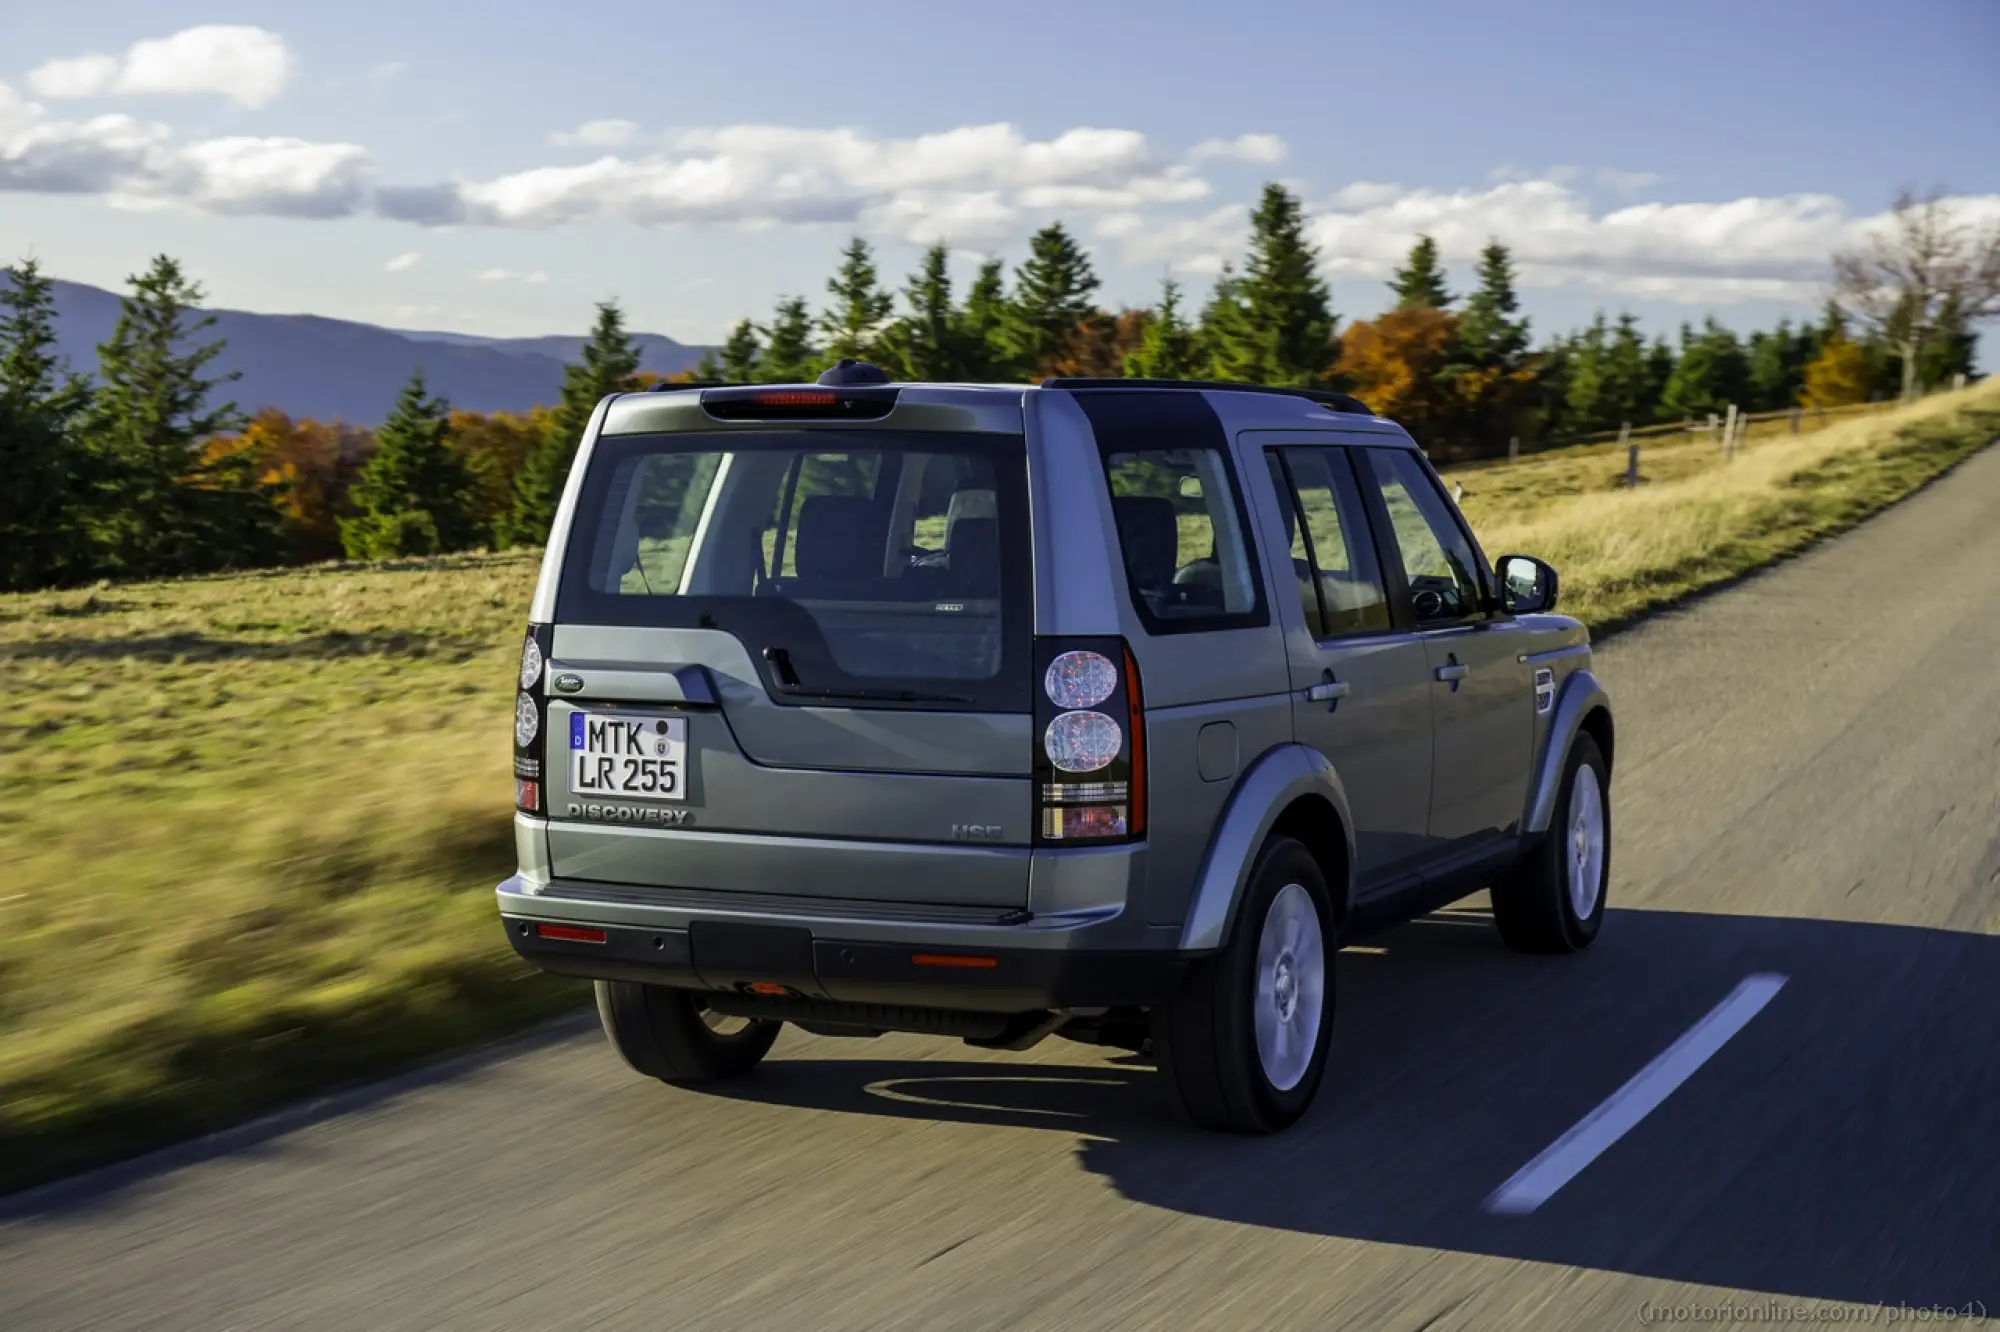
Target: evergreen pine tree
(1169, 349)
(1274, 324)
(414, 496)
(739, 354)
(1489, 332)
(610, 364)
(1625, 375)
(1419, 284)
(1554, 369)
(860, 306)
(1229, 350)
(929, 343)
(1777, 371)
(42, 477)
(1052, 294)
(1489, 371)
(1586, 394)
(1660, 362)
(983, 325)
(1712, 373)
(789, 355)
(168, 509)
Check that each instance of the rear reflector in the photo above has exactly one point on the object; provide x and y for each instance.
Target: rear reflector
(1084, 821)
(953, 960)
(767, 987)
(571, 933)
(527, 796)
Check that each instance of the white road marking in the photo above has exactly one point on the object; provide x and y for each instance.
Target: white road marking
(1536, 1182)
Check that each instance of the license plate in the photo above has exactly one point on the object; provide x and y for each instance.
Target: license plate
(631, 757)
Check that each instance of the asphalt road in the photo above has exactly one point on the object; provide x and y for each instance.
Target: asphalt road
(1808, 786)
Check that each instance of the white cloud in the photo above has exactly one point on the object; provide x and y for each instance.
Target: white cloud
(1627, 182)
(1774, 247)
(403, 262)
(76, 76)
(271, 176)
(1197, 246)
(971, 184)
(136, 164)
(248, 65)
(597, 134)
(1366, 194)
(977, 188)
(1264, 148)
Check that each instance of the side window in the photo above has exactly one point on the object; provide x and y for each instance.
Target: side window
(1181, 528)
(1332, 553)
(1438, 560)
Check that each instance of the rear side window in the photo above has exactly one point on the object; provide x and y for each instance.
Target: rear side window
(883, 562)
(1182, 525)
(1181, 530)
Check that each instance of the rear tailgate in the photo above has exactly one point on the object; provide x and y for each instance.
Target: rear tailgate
(754, 693)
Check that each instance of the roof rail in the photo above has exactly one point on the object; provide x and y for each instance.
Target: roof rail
(1339, 402)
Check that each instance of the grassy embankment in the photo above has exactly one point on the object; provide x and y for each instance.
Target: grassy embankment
(251, 823)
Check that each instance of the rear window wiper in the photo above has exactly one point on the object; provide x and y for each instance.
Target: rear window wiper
(790, 686)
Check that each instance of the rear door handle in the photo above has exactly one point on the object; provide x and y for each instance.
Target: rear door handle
(1326, 691)
(1453, 673)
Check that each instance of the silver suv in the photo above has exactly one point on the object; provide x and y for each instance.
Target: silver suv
(1102, 709)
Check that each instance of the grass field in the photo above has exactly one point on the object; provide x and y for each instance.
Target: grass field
(252, 824)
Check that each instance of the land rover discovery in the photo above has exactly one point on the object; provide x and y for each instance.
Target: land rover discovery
(1101, 709)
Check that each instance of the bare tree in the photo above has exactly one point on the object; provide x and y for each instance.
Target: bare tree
(1923, 275)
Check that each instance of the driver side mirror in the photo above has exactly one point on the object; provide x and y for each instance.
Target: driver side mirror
(1527, 585)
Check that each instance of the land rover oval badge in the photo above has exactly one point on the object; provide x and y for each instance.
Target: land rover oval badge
(568, 683)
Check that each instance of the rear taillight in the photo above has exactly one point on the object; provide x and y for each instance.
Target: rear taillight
(531, 715)
(1090, 742)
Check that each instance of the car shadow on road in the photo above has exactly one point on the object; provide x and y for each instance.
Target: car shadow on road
(1839, 1148)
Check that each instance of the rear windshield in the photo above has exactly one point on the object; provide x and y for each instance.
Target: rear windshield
(873, 563)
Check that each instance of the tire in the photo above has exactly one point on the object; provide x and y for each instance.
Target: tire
(1553, 902)
(666, 1034)
(1215, 1042)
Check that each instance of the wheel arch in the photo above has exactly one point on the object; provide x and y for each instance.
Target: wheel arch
(1292, 790)
(1582, 708)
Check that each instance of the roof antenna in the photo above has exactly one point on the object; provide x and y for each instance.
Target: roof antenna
(847, 371)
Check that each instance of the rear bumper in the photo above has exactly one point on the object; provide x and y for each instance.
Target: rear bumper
(996, 962)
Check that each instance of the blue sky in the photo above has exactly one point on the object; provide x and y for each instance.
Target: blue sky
(1672, 160)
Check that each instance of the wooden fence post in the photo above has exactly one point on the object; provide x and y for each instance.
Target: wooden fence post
(1513, 448)
(1958, 381)
(1713, 421)
(1797, 412)
(1631, 466)
(1729, 434)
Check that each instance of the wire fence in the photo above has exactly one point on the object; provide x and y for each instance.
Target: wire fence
(1727, 431)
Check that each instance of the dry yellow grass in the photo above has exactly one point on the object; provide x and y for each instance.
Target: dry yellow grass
(1695, 520)
(252, 823)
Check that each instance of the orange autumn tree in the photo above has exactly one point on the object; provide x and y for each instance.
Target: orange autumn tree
(1401, 364)
(495, 446)
(1839, 376)
(307, 466)
(1097, 346)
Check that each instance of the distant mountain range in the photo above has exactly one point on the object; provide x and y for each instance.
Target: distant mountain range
(323, 368)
